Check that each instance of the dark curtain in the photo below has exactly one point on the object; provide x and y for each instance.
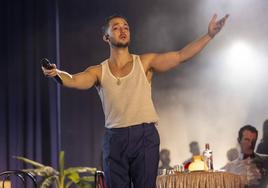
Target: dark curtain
(29, 102)
(81, 46)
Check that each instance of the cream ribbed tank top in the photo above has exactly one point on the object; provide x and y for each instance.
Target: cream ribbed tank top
(130, 102)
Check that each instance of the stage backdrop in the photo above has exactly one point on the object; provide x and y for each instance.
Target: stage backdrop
(29, 105)
(207, 99)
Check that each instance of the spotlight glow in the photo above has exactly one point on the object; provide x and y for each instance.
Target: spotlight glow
(242, 60)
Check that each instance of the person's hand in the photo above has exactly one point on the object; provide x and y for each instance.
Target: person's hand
(215, 26)
(253, 173)
(50, 72)
(245, 168)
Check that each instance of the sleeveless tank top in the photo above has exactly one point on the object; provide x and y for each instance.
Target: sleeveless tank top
(127, 100)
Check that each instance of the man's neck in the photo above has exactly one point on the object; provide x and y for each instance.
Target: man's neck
(120, 56)
(245, 156)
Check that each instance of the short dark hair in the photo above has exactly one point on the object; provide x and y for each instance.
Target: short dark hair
(107, 21)
(249, 128)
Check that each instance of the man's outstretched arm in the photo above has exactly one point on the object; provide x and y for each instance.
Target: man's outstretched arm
(82, 80)
(165, 61)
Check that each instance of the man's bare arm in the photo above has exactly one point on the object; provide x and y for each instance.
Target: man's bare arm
(165, 61)
(82, 80)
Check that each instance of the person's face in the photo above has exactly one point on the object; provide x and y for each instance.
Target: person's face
(164, 157)
(195, 149)
(247, 142)
(118, 33)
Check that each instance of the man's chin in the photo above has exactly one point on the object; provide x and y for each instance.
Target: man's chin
(120, 45)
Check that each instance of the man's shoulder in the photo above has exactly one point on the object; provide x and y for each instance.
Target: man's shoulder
(261, 156)
(94, 68)
(147, 57)
(261, 160)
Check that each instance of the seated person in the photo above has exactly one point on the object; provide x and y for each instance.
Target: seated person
(165, 160)
(232, 154)
(195, 150)
(249, 164)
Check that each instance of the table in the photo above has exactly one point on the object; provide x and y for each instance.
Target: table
(6, 185)
(201, 180)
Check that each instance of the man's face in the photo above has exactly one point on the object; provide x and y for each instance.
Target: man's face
(118, 33)
(247, 142)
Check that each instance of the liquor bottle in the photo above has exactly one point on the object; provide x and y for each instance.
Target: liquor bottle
(208, 158)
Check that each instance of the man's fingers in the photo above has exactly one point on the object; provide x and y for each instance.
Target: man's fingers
(215, 26)
(48, 72)
(214, 18)
(222, 21)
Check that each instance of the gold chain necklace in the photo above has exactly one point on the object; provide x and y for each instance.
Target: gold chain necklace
(118, 81)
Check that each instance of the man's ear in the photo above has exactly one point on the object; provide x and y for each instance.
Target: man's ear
(106, 38)
(238, 139)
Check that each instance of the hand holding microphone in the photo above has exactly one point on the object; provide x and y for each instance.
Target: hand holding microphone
(50, 70)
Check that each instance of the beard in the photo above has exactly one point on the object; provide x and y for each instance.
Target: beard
(119, 44)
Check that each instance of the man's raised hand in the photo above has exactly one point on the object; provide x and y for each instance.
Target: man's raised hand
(215, 26)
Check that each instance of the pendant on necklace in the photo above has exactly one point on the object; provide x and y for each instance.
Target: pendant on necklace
(118, 82)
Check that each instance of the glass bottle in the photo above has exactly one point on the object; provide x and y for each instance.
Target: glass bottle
(208, 158)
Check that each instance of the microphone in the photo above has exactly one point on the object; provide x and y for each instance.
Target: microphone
(45, 63)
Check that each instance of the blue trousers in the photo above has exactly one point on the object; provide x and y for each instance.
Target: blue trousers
(131, 155)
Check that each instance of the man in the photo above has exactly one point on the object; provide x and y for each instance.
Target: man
(131, 141)
(249, 164)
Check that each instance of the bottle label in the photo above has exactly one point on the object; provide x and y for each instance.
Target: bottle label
(208, 159)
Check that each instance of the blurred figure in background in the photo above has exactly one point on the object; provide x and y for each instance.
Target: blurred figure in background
(165, 160)
(232, 154)
(263, 145)
(249, 164)
(194, 150)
